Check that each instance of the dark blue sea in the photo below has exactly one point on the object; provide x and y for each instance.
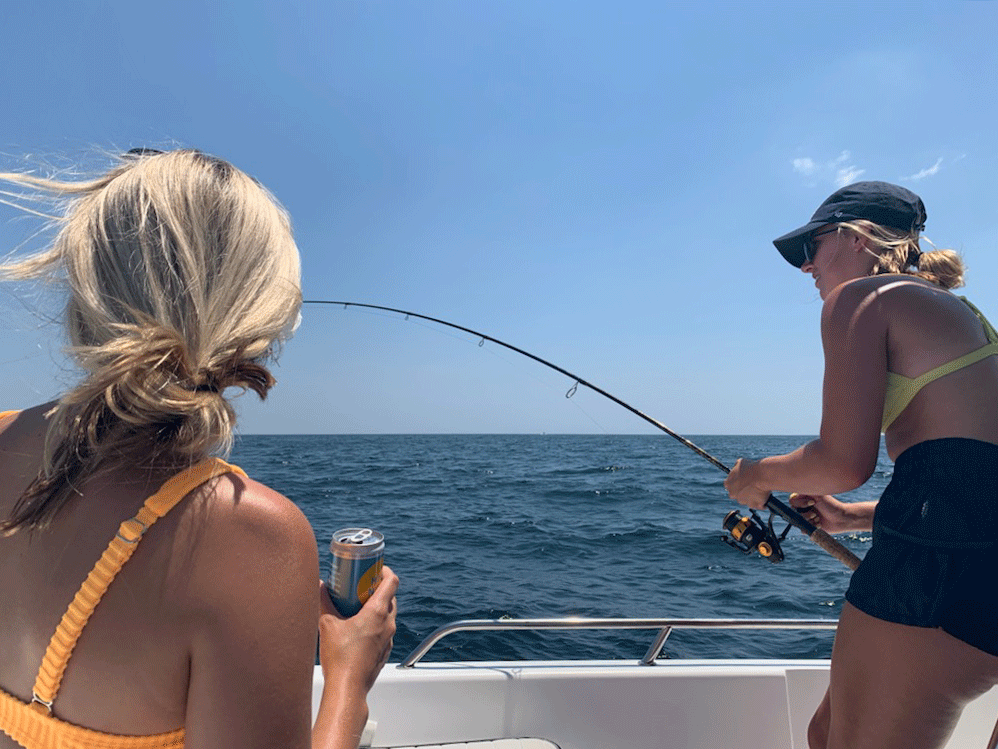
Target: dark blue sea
(493, 526)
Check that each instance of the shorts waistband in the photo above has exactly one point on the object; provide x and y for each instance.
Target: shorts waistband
(942, 494)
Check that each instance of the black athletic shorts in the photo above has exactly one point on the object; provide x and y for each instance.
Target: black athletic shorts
(934, 558)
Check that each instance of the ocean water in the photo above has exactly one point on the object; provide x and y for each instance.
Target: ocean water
(493, 526)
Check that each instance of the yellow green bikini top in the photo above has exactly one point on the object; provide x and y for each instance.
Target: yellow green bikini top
(32, 724)
(900, 390)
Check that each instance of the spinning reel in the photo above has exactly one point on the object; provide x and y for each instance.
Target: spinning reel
(748, 534)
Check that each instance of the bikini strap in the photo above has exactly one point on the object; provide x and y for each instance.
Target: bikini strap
(118, 552)
(917, 383)
(989, 329)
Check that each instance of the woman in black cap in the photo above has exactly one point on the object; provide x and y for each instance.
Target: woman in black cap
(918, 634)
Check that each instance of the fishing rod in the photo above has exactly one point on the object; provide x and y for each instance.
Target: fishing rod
(749, 534)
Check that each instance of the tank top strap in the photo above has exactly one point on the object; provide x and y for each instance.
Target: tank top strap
(118, 552)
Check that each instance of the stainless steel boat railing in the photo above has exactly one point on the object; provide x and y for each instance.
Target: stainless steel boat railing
(664, 627)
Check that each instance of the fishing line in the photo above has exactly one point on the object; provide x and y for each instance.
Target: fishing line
(790, 515)
(481, 340)
(544, 383)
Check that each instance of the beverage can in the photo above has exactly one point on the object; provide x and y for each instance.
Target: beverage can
(356, 567)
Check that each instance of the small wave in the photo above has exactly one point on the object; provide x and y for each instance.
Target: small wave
(511, 526)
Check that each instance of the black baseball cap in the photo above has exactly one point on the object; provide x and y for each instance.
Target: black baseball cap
(880, 202)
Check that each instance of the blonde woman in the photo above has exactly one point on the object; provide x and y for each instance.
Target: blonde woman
(154, 595)
(918, 634)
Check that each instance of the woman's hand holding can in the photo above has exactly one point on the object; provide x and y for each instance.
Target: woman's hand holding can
(352, 651)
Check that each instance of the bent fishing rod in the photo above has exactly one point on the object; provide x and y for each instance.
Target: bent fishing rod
(749, 534)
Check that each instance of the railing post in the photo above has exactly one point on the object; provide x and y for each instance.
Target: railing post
(656, 647)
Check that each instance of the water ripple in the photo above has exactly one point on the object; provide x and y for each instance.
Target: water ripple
(492, 526)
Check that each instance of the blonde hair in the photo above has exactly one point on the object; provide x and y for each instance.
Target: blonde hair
(898, 252)
(182, 277)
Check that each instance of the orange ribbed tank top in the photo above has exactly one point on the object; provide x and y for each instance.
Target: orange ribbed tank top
(32, 724)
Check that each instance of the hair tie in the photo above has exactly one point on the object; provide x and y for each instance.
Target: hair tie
(209, 383)
(236, 372)
(913, 258)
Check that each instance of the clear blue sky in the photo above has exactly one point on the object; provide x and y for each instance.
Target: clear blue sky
(597, 183)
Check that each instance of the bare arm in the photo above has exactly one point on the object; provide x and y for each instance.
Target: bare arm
(352, 652)
(833, 516)
(253, 619)
(254, 614)
(854, 336)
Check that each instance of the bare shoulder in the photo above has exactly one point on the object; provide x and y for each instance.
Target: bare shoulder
(248, 542)
(254, 511)
(853, 302)
(883, 298)
(22, 440)
(250, 608)
(892, 288)
(26, 425)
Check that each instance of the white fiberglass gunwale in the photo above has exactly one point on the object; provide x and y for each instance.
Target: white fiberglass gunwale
(602, 704)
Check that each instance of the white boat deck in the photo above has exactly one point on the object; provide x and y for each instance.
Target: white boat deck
(673, 704)
(602, 705)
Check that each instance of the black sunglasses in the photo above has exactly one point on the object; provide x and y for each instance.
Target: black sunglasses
(142, 152)
(810, 247)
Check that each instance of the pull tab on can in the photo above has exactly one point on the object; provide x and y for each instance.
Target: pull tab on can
(359, 537)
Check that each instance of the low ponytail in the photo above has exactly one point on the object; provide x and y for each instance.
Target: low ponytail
(144, 403)
(942, 267)
(899, 252)
(182, 276)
